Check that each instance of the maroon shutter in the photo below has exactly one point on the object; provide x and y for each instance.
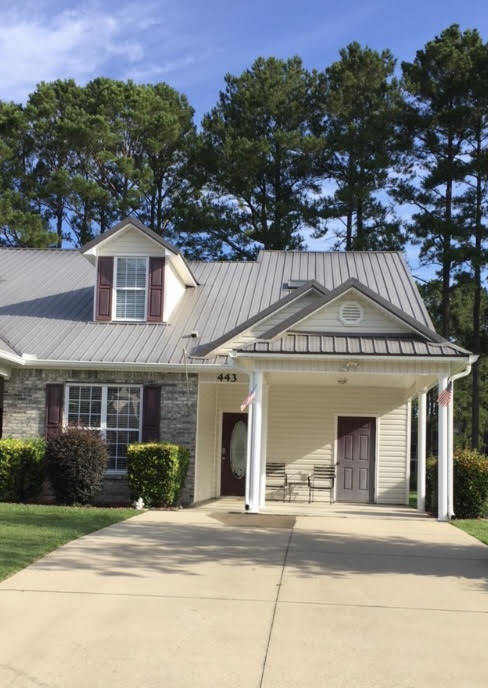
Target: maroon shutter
(151, 413)
(155, 290)
(105, 277)
(54, 409)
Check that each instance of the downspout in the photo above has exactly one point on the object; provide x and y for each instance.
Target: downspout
(450, 437)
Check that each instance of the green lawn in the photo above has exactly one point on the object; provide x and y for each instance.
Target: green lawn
(412, 499)
(478, 528)
(27, 531)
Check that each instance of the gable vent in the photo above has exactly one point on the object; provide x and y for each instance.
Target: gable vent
(351, 313)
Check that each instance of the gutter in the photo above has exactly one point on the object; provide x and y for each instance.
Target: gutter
(450, 431)
(30, 361)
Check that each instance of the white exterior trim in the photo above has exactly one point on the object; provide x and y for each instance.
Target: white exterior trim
(421, 450)
(442, 458)
(408, 450)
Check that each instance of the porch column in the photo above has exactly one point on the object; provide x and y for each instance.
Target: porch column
(264, 446)
(442, 455)
(450, 454)
(255, 425)
(421, 449)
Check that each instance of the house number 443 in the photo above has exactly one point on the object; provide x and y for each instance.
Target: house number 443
(229, 377)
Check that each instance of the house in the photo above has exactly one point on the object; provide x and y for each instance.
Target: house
(128, 337)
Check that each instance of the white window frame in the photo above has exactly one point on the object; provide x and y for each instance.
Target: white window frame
(103, 411)
(114, 290)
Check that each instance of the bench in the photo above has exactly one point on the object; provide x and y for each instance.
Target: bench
(322, 478)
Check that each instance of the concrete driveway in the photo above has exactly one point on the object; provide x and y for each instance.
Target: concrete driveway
(201, 598)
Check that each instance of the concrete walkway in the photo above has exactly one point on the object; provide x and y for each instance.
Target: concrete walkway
(205, 597)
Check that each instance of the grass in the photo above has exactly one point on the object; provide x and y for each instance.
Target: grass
(477, 527)
(29, 531)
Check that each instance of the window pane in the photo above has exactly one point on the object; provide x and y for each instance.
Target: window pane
(117, 447)
(84, 406)
(131, 272)
(130, 304)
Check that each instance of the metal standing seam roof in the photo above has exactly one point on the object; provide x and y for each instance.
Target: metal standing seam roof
(46, 302)
(354, 345)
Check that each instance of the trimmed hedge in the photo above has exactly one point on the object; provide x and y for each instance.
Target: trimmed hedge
(22, 469)
(470, 484)
(76, 463)
(156, 472)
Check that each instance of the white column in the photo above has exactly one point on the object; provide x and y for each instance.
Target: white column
(450, 455)
(421, 449)
(442, 456)
(255, 444)
(264, 447)
(248, 451)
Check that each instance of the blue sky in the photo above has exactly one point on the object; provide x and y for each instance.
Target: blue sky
(192, 44)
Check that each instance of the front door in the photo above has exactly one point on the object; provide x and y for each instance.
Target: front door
(355, 456)
(234, 454)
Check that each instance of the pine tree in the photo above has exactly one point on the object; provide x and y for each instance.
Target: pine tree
(258, 161)
(359, 108)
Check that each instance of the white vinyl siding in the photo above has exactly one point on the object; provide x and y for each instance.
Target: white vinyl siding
(113, 410)
(131, 242)
(263, 326)
(130, 288)
(374, 318)
(174, 290)
(302, 430)
(302, 426)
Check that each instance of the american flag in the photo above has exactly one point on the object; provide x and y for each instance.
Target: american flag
(248, 399)
(444, 398)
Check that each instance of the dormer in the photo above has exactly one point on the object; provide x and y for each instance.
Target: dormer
(139, 276)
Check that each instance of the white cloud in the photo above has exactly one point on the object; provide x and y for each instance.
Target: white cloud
(41, 45)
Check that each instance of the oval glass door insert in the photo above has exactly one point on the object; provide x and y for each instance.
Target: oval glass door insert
(238, 449)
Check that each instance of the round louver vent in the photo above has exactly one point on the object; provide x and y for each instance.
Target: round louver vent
(351, 313)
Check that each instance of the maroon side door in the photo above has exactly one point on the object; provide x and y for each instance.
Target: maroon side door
(355, 456)
(233, 457)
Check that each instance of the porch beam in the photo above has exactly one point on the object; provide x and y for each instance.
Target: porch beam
(421, 450)
(442, 455)
(255, 427)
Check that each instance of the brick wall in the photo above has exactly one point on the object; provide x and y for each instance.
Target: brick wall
(25, 399)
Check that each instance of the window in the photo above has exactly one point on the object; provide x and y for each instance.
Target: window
(115, 411)
(130, 288)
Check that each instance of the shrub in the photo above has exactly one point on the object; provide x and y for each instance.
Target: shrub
(21, 469)
(156, 472)
(470, 484)
(431, 485)
(76, 463)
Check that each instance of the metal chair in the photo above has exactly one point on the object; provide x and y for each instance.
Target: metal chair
(276, 476)
(322, 478)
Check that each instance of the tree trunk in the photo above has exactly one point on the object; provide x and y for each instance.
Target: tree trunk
(359, 243)
(349, 230)
(59, 223)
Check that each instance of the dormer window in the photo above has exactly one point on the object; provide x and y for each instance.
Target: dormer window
(130, 288)
(139, 276)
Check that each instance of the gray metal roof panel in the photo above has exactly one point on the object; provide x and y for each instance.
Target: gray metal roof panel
(353, 345)
(46, 303)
